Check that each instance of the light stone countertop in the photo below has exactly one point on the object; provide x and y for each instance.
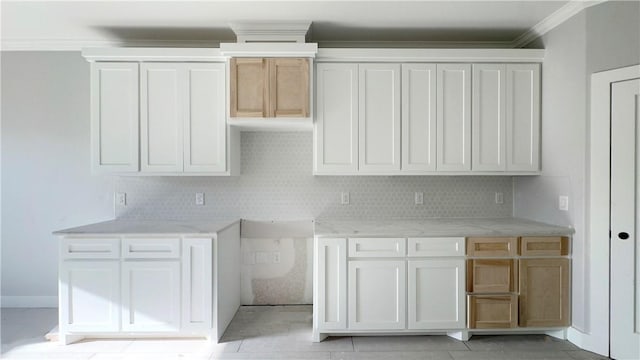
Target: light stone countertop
(443, 227)
(128, 226)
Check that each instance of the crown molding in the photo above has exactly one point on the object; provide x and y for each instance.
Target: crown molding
(552, 21)
(269, 49)
(78, 45)
(275, 31)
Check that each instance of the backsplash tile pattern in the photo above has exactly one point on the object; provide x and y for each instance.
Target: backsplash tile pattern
(277, 184)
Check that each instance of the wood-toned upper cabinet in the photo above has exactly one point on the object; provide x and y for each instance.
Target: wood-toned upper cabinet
(488, 117)
(454, 117)
(379, 117)
(114, 117)
(269, 87)
(523, 117)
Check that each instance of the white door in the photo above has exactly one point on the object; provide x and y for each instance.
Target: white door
(625, 220)
(379, 117)
(161, 142)
(150, 296)
(336, 132)
(197, 284)
(454, 117)
(488, 117)
(89, 296)
(436, 294)
(114, 117)
(330, 305)
(523, 117)
(377, 294)
(204, 118)
(418, 117)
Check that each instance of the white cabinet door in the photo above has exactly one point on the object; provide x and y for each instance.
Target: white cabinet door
(379, 117)
(418, 117)
(160, 117)
(488, 117)
(454, 117)
(114, 117)
(523, 117)
(436, 294)
(197, 284)
(89, 296)
(330, 304)
(377, 297)
(336, 127)
(205, 118)
(151, 296)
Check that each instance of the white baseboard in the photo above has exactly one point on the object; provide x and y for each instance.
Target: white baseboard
(29, 301)
(588, 342)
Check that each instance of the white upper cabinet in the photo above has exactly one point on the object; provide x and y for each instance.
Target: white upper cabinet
(488, 117)
(523, 117)
(336, 128)
(418, 117)
(114, 117)
(379, 117)
(454, 117)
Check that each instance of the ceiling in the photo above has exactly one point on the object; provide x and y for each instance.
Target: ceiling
(65, 25)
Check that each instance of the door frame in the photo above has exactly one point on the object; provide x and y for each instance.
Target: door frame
(598, 172)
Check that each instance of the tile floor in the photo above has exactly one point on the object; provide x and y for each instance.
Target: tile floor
(271, 332)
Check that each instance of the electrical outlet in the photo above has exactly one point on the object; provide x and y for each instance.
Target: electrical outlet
(344, 198)
(276, 257)
(121, 199)
(563, 203)
(499, 198)
(199, 198)
(418, 198)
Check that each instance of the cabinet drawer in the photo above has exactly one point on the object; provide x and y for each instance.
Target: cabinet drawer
(377, 247)
(491, 276)
(151, 248)
(487, 246)
(90, 248)
(440, 246)
(492, 311)
(544, 246)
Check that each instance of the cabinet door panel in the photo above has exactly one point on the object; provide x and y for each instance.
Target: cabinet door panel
(492, 246)
(377, 297)
(418, 117)
(523, 117)
(151, 296)
(436, 294)
(289, 87)
(493, 311)
(89, 296)
(379, 117)
(491, 276)
(196, 284)
(488, 117)
(114, 117)
(336, 142)
(248, 84)
(330, 306)
(544, 292)
(441, 246)
(377, 247)
(454, 117)
(161, 122)
(205, 119)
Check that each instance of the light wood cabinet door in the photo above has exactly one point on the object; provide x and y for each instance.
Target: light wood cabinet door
(249, 89)
(330, 304)
(436, 294)
(289, 87)
(379, 117)
(161, 122)
(544, 246)
(492, 246)
(418, 117)
(492, 311)
(151, 296)
(454, 117)
(114, 117)
(377, 294)
(336, 127)
(488, 117)
(491, 276)
(90, 296)
(544, 292)
(197, 284)
(523, 117)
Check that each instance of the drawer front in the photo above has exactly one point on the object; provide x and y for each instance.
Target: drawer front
(90, 248)
(151, 248)
(491, 276)
(544, 246)
(492, 311)
(377, 247)
(486, 246)
(441, 246)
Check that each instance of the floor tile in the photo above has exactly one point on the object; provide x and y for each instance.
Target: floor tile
(150, 356)
(313, 355)
(518, 343)
(47, 356)
(510, 355)
(585, 355)
(180, 346)
(394, 355)
(291, 343)
(406, 343)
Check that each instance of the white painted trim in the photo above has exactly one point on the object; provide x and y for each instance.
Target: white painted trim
(78, 45)
(29, 301)
(430, 55)
(269, 49)
(596, 337)
(153, 54)
(293, 31)
(416, 44)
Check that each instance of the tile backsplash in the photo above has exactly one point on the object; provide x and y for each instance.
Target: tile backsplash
(276, 183)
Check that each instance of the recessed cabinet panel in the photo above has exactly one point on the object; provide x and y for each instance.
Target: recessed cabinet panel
(544, 292)
(289, 87)
(445, 246)
(377, 247)
(491, 276)
(331, 305)
(489, 117)
(196, 284)
(544, 246)
(523, 117)
(249, 91)
(492, 247)
(454, 117)
(493, 311)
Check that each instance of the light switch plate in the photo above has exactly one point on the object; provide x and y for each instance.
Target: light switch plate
(344, 198)
(563, 203)
(199, 198)
(418, 198)
(499, 198)
(121, 199)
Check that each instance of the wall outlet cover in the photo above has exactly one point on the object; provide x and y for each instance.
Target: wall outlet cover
(121, 199)
(563, 203)
(499, 198)
(418, 198)
(344, 198)
(199, 198)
